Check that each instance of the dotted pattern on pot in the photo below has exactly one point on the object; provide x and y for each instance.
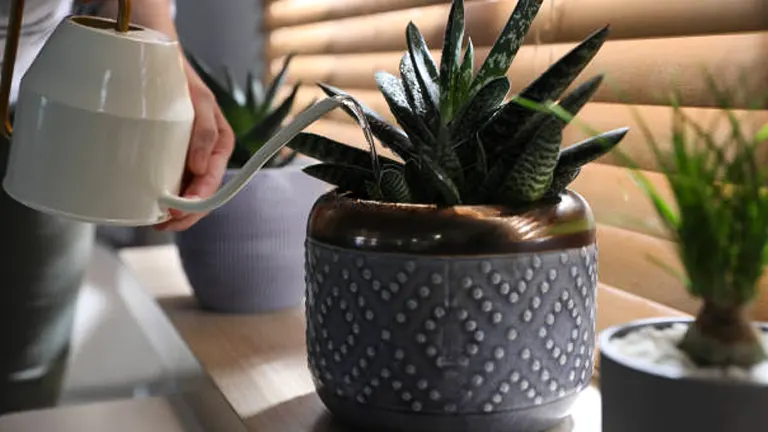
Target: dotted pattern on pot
(445, 335)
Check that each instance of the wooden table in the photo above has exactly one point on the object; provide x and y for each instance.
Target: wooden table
(259, 361)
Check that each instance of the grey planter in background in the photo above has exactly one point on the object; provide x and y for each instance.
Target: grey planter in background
(644, 398)
(450, 319)
(248, 256)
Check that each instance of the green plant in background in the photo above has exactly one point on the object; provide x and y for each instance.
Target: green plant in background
(459, 141)
(250, 111)
(721, 226)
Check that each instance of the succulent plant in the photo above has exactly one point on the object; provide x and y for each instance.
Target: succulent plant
(459, 141)
(250, 111)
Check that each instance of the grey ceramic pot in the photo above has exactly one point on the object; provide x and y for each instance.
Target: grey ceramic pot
(248, 256)
(642, 398)
(450, 319)
(43, 263)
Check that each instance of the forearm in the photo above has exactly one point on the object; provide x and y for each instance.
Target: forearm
(155, 14)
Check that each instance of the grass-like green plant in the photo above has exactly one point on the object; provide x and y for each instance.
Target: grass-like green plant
(250, 111)
(721, 228)
(458, 141)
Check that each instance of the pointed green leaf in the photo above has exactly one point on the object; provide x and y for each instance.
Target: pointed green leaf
(394, 187)
(440, 181)
(477, 112)
(234, 88)
(220, 92)
(762, 134)
(327, 150)
(425, 69)
(449, 62)
(466, 71)
(277, 82)
(531, 175)
(389, 135)
(397, 100)
(590, 149)
(346, 178)
(559, 76)
(261, 132)
(560, 181)
(254, 93)
(507, 44)
(426, 116)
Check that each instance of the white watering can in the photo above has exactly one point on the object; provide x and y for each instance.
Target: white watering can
(103, 121)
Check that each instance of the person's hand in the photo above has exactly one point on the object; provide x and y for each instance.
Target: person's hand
(210, 147)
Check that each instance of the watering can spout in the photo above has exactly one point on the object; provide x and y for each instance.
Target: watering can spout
(267, 151)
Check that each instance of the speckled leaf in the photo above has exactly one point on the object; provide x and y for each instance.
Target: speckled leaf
(394, 187)
(464, 81)
(549, 86)
(560, 181)
(420, 190)
(345, 177)
(477, 112)
(574, 101)
(277, 82)
(394, 93)
(329, 151)
(559, 76)
(262, 131)
(590, 149)
(438, 179)
(426, 71)
(449, 62)
(507, 44)
(426, 116)
(390, 135)
(476, 170)
(531, 175)
(449, 161)
(373, 191)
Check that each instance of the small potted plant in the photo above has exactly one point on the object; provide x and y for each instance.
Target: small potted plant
(247, 256)
(453, 288)
(710, 373)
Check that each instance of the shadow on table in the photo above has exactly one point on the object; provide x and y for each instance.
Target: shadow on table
(307, 414)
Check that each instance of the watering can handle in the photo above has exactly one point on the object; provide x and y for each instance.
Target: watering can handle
(12, 46)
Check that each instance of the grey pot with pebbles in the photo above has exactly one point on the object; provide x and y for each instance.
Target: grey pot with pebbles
(647, 384)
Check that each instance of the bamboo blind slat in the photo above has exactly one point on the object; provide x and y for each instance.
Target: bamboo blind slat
(558, 21)
(637, 71)
(600, 116)
(292, 12)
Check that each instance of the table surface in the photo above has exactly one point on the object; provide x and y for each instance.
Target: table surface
(258, 361)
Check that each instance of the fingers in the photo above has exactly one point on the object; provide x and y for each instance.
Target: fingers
(207, 183)
(205, 133)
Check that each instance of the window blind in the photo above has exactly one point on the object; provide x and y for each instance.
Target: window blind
(655, 45)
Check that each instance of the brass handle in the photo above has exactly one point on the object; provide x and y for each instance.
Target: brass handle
(12, 45)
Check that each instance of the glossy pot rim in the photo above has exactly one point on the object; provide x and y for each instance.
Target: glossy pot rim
(608, 351)
(464, 230)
